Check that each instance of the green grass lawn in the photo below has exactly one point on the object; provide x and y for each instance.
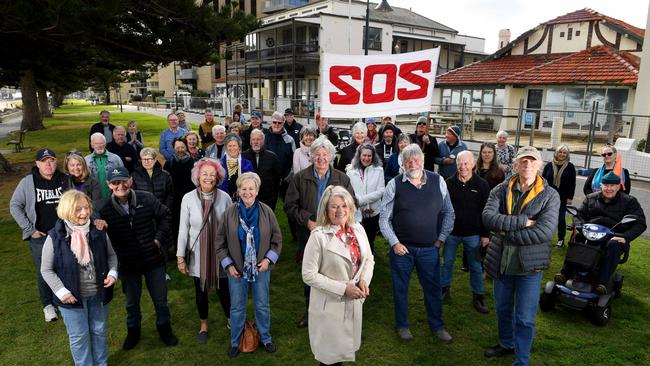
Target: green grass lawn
(562, 337)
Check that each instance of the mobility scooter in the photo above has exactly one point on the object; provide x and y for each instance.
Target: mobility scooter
(584, 253)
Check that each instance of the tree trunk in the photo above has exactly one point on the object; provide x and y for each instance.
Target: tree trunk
(43, 103)
(5, 167)
(107, 90)
(57, 99)
(32, 119)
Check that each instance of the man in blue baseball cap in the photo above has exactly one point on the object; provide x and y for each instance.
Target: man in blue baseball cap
(138, 225)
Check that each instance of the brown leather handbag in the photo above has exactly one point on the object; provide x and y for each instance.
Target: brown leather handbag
(250, 338)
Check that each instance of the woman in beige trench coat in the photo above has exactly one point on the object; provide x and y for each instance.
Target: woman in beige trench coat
(338, 265)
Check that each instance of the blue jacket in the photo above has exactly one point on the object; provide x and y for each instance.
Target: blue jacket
(447, 171)
(166, 139)
(244, 164)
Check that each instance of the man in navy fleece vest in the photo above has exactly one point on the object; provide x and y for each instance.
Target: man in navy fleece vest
(416, 218)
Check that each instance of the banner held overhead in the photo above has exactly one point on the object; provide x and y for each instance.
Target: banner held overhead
(377, 85)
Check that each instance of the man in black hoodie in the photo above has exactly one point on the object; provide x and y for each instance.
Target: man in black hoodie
(33, 206)
(468, 193)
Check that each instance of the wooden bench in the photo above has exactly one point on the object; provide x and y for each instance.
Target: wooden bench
(18, 144)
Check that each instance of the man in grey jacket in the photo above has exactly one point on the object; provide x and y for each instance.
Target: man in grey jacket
(33, 206)
(101, 161)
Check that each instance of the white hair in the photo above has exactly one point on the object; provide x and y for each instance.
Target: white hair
(502, 133)
(360, 126)
(324, 143)
(119, 128)
(411, 151)
(277, 116)
(97, 135)
(465, 152)
(256, 131)
(217, 128)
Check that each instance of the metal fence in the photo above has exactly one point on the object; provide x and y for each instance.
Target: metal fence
(585, 131)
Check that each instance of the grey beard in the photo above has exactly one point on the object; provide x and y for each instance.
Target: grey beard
(413, 174)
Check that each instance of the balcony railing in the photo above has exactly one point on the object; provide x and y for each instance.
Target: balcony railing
(302, 51)
(272, 6)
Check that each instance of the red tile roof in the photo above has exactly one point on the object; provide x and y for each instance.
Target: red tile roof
(493, 70)
(586, 14)
(599, 64)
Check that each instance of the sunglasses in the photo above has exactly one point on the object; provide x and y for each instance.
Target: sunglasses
(421, 124)
(607, 154)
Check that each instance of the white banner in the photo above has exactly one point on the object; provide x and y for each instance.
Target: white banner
(377, 85)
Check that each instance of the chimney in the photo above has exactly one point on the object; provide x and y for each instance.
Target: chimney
(504, 38)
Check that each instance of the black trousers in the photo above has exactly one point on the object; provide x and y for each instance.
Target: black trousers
(371, 225)
(202, 298)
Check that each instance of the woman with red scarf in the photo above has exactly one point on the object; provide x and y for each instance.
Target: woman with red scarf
(338, 265)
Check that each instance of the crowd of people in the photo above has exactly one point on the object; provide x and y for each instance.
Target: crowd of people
(207, 199)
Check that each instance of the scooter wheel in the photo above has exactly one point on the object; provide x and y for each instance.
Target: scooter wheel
(600, 315)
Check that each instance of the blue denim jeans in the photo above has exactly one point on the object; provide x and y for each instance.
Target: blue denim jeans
(515, 299)
(427, 263)
(88, 331)
(470, 247)
(157, 286)
(44, 291)
(238, 298)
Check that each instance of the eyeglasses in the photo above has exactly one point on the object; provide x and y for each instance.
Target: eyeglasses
(607, 154)
(148, 160)
(278, 122)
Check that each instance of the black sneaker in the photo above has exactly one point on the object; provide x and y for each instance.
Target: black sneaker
(202, 337)
(270, 347)
(601, 289)
(233, 352)
(498, 351)
(477, 302)
(167, 335)
(132, 338)
(560, 278)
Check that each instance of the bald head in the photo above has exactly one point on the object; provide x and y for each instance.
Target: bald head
(465, 164)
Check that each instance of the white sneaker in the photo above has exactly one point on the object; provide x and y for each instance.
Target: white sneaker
(50, 313)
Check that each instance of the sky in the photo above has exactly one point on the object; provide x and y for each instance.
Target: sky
(484, 18)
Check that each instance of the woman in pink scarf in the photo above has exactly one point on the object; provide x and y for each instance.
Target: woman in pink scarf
(80, 266)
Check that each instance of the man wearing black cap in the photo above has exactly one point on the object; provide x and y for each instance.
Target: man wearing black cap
(607, 207)
(138, 225)
(292, 126)
(256, 123)
(388, 143)
(33, 206)
(427, 144)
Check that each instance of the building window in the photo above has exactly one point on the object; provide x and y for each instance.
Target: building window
(577, 33)
(254, 7)
(561, 34)
(374, 38)
(569, 34)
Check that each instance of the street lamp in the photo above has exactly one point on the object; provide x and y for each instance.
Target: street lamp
(383, 7)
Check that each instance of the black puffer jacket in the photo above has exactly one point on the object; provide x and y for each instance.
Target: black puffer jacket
(596, 211)
(160, 183)
(133, 234)
(533, 241)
